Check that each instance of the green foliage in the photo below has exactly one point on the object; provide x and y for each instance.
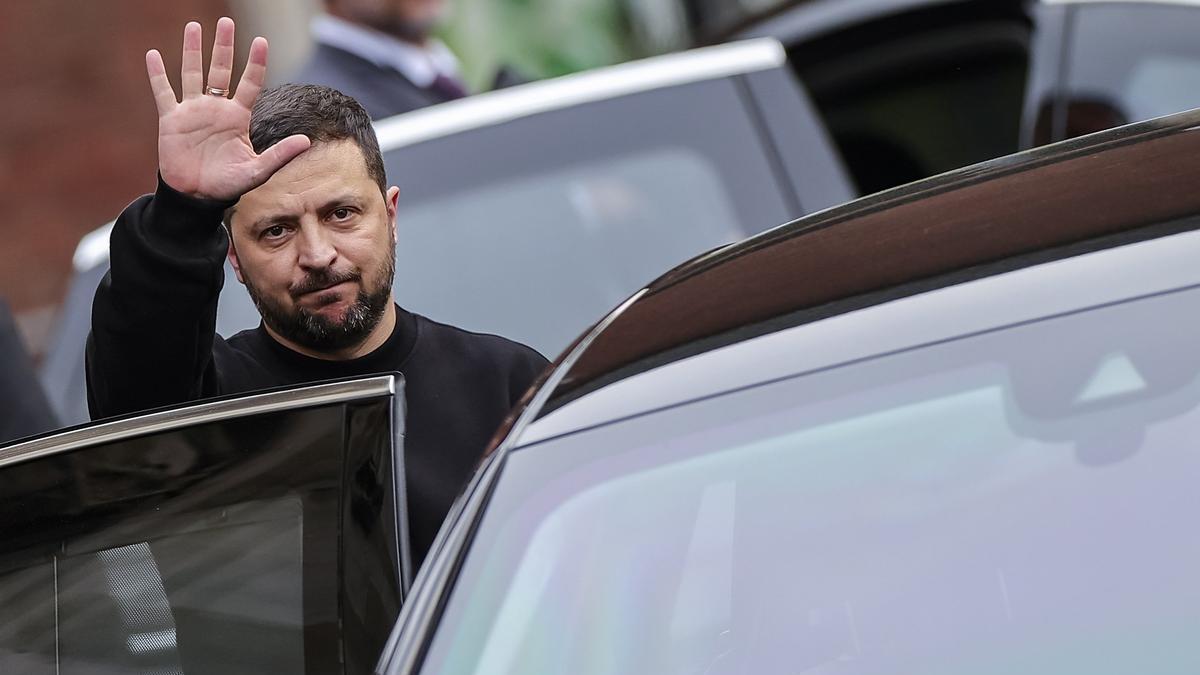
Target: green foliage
(537, 38)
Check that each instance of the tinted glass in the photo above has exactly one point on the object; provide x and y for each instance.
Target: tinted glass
(212, 549)
(1131, 62)
(1012, 502)
(535, 228)
(946, 93)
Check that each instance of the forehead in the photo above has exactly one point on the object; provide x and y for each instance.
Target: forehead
(322, 172)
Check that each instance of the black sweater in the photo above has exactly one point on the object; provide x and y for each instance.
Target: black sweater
(154, 343)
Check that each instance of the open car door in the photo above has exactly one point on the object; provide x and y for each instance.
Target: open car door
(258, 533)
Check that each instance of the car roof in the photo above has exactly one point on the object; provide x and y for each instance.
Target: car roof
(1051, 203)
(633, 77)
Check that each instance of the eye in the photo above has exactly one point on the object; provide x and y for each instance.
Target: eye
(273, 232)
(341, 213)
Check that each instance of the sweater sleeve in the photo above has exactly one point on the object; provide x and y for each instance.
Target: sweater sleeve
(526, 367)
(154, 313)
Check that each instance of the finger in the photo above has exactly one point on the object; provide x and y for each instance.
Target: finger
(254, 75)
(280, 154)
(160, 84)
(193, 61)
(221, 68)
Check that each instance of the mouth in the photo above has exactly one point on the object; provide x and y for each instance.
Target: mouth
(328, 295)
(331, 287)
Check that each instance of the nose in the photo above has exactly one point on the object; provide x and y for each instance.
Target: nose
(315, 248)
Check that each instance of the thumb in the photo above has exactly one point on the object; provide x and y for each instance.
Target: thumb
(275, 157)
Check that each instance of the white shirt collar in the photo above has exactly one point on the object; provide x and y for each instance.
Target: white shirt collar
(421, 65)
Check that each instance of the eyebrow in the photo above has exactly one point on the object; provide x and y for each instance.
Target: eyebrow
(329, 204)
(270, 221)
(344, 198)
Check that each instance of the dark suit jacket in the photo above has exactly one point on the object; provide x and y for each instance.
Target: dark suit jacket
(382, 91)
(24, 410)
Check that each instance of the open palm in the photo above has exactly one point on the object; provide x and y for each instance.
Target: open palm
(204, 145)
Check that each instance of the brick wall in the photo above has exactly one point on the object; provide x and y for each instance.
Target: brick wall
(77, 141)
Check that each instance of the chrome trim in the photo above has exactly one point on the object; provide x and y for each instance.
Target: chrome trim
(399, 415)
(166, 420)
(433, 581)
(93, 248)
(491, 108)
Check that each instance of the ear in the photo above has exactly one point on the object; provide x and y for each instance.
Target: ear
(391, 199)
(233, 260)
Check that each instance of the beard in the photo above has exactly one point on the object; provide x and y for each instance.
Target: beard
(317, 332)
(414, 27)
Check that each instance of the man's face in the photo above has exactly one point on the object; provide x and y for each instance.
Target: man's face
(411, 20)
(315, 247)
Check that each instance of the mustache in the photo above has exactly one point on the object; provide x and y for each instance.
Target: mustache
(320, 280)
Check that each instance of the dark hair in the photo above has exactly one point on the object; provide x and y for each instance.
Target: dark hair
(321, 113)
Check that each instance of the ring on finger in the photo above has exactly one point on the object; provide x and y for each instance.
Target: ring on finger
(217, 91)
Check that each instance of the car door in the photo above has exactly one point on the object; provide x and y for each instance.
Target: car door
(258, 533)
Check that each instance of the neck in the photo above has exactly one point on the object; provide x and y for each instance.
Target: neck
(374, 340)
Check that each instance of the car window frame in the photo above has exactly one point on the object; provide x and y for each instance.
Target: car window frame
(388, 389)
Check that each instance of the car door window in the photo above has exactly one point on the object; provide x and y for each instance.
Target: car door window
(917, 94)
(206, 540)
(1130, 62)
(1008, 502)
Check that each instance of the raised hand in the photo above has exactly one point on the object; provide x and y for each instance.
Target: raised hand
(204, 140)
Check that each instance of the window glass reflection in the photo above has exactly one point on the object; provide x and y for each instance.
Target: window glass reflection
(211, 549)
(1010, 502)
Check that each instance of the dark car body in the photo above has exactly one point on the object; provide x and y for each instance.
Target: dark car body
(528, 212)
(947, 428)
(912, 88)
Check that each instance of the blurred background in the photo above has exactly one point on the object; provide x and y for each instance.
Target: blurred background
(77, 141)
(904, 88)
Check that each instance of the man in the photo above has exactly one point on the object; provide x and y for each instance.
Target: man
(381, 53)
(311, 225)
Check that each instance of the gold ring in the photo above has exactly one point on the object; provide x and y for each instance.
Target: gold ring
(223, 93)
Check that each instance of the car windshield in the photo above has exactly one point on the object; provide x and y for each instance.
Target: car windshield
(1008, 502)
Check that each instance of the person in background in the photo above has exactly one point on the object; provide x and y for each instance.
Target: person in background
(383, 54)
(24, 410)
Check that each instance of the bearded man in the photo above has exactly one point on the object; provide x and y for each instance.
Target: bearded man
(290, 186)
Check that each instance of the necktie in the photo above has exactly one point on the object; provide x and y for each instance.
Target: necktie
(447, 88)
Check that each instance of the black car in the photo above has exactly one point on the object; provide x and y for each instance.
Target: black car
(262, 533)
(950, 428)
(912, 88)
